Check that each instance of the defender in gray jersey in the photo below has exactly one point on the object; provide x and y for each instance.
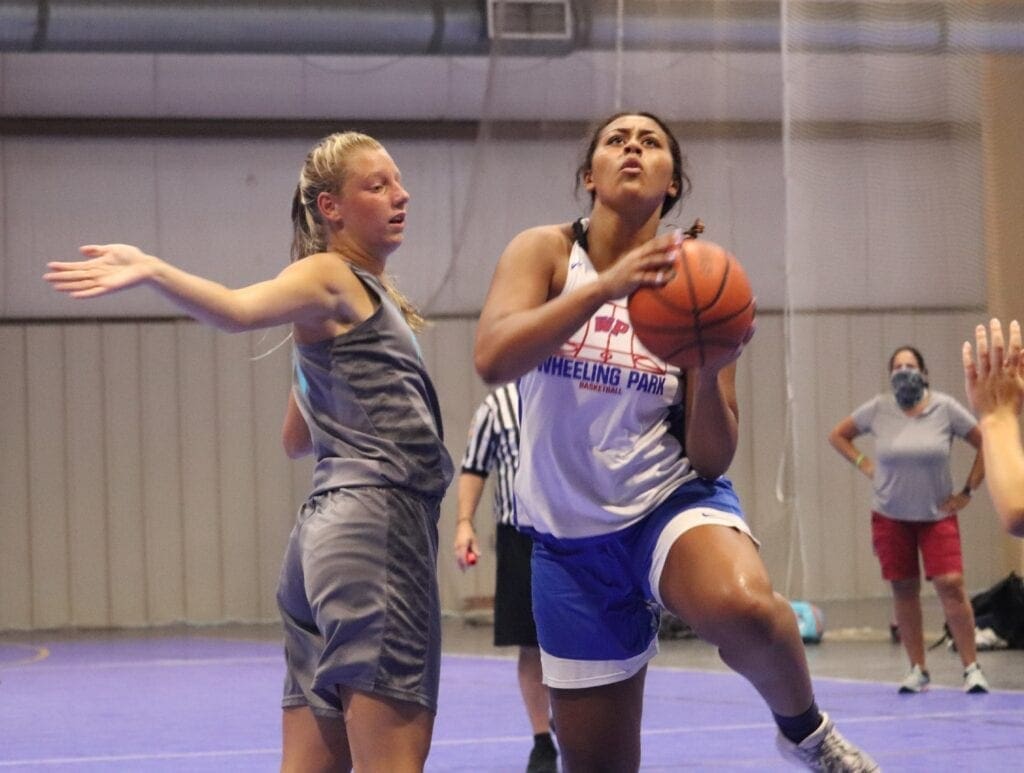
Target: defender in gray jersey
(358, 590)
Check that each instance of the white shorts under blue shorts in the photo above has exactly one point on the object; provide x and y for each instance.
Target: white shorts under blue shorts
(595, 599)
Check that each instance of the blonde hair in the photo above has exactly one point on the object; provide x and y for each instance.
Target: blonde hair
(324, 172)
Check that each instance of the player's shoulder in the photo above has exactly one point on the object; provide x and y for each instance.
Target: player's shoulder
(330, 270)
(326, 263)
(554, 240)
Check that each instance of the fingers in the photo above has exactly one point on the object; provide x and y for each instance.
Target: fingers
(58, 265)
(667, 248)
(995, 358)
(466, 556)
(967, 356)
(72, 278)
(749, 334)
(652, 264)
(1014, 358)
(981, 346)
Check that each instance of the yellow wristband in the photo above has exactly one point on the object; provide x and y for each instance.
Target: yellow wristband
(858, 460)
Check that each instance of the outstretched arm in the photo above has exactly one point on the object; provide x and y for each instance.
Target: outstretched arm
(995, 390)
(303, 292)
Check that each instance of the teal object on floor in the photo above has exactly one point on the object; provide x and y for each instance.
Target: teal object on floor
(810, 620)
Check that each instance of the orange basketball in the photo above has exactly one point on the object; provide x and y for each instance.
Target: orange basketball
(707, 307)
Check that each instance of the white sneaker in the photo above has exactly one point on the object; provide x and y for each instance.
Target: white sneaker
(826, 750)
(974, 680)
(916, 680)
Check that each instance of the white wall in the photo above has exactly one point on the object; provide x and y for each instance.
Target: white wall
(143, 481)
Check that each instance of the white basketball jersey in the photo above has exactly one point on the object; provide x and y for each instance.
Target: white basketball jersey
(595, 451)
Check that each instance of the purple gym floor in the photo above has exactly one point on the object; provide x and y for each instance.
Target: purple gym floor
(211, 704)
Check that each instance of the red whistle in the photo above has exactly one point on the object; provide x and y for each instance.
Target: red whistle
(470, 558)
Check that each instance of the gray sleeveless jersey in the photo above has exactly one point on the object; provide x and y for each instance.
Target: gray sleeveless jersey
(370, 406)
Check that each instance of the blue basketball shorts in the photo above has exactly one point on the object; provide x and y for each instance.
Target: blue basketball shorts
(595, 599)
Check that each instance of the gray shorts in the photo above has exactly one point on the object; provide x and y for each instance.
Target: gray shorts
(359, 600)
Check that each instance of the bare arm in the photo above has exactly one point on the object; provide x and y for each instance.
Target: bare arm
(712, 420)
(1001, 441)
(307, 291)
(841, 437)
(995, 390)
(295, 434)
(470, 489)
(521, 323)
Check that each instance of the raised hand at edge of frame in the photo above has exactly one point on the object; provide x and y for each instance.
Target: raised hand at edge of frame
(995, 380)
(108, 268)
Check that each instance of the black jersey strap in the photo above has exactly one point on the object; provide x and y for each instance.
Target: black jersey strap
(579, 233)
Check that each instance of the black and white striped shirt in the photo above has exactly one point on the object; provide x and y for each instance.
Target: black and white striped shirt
(494, 442)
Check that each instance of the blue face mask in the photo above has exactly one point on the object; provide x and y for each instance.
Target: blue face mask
(908, 386)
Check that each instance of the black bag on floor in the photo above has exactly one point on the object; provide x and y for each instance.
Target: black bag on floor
(1000, 608)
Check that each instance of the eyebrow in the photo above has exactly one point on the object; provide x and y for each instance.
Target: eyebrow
(629, 130)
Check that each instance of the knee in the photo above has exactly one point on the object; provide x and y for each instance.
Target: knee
(950, 586)
(905, 590)
(743, 610)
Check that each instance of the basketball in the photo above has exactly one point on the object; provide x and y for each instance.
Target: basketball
(706, 308)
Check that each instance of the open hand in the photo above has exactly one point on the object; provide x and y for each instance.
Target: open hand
(996, 379)
(110, 267)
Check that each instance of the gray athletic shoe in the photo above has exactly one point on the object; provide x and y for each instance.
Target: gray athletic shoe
(974, 680)
(915, 681)
(826, 750)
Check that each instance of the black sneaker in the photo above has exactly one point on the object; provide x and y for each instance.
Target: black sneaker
(543, 758)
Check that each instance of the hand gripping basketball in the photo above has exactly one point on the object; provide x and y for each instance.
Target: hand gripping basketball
(703, 314)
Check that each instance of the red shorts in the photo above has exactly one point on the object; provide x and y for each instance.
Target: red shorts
(896, 544)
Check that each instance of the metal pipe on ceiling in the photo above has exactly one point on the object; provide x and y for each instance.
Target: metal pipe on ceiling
(460, 27)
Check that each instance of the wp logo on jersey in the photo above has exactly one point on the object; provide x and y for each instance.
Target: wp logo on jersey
(610, 325)
(608, 338)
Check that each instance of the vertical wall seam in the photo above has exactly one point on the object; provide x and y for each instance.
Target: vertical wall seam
(221, 543)
(255, 511)
(182, 456)
(105, 468)
(69, 611)
(26, 433)
(141, 480)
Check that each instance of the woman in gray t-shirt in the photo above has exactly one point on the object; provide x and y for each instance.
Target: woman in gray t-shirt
(914, 508)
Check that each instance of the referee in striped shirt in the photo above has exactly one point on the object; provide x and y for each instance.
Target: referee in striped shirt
(494, 444)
